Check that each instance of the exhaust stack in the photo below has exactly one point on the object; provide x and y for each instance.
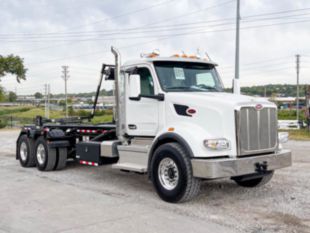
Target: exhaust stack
(117, 110)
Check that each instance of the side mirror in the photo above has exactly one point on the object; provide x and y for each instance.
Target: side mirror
(134, 86)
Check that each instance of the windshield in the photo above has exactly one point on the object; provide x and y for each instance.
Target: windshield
(187, 76)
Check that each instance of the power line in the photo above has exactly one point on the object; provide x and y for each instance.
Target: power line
(147, 26)
(124, 31)
(165, 37)
(259, 65)
(262, 61)
(117, 16)
(165, 20)
(184, 26)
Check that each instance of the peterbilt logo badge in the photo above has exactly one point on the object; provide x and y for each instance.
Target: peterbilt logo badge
(258, 107)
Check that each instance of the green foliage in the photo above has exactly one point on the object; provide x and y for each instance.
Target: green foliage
(38, 95)
(71, 111)
(11, 110)
(3, 123)
(62, 103)
(102, 119)
(13, 65)
(103, 92)
(82, 113)
(12, 97)
(2, 94)
(290, 114)
(103, 112)
(276, 89)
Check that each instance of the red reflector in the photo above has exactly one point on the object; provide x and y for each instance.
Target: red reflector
(88, 163)
(190, 111)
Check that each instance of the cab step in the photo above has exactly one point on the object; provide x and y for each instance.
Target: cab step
(132, 158)
(130, 167)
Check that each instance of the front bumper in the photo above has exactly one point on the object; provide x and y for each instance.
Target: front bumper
(229, 167)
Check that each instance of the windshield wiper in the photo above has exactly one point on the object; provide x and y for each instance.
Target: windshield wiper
(205, 87)
(180, 87)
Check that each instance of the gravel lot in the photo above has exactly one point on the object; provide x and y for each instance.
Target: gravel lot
(88, 199)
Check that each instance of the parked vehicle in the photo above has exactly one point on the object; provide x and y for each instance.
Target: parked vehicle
(173, 122)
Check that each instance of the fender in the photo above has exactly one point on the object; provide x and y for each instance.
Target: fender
(165, 138)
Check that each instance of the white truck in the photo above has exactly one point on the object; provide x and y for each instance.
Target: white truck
(173, 122)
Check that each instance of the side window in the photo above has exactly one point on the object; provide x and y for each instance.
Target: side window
(147, 84)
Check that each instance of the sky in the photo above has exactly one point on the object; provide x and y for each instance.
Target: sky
(48, 34)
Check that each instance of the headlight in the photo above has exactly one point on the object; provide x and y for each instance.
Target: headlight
(217, 144)
(283, 137)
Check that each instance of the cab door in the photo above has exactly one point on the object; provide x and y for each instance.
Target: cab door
(142, 113)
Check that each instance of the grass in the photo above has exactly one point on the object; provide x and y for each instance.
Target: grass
(32, 113)
(290, 114)
(12, 110)
(102, 119)
(301, 134)
(25, 115)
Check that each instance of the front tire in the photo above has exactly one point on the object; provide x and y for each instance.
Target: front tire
(253, 182)
(172, 175)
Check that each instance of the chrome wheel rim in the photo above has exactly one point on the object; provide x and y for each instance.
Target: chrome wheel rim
(168, 173)
(23, 151)
(41, 154)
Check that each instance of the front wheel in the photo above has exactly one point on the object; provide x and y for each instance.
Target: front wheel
(172, 175)
(254, 181)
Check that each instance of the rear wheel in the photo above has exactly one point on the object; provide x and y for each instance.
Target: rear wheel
(45, 157)
(172, 175)
(247, 181)
(25, 151)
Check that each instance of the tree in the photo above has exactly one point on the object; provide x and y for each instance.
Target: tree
(12, 97)
(13, 65)
(38, 95)
(2, 95)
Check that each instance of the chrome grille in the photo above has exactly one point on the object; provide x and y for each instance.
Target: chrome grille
(256, 130)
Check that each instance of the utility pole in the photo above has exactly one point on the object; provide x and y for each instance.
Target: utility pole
(297, 94)
(45, 101)
(48, 100)
(65, 76)
(236, 79)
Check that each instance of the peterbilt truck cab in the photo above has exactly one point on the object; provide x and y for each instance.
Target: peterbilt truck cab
(174, 122)
(176, 109)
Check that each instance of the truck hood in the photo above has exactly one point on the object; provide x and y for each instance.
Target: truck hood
(218, 98)
(214, 115)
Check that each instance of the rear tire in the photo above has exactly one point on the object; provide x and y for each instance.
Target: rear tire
(62, 158)
(45, 157)
(256, 182)
(25, 147)
(172, 175)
